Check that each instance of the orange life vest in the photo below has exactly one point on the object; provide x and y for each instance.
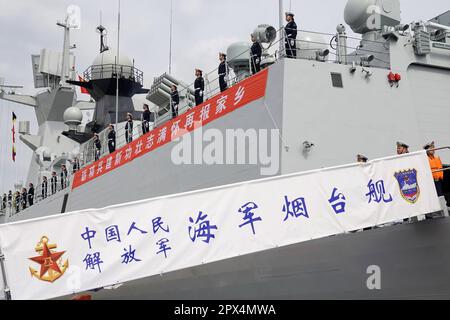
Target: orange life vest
(436, 164)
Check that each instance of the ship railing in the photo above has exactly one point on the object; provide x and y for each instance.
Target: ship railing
(88, 155)
(90, 150)
(279, 52)
(106, 71)
(12, 209)
(212, 87)
(138, 133)
(359, 51)
(442, 170)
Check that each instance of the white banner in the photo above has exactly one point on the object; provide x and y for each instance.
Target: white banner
(64, 254)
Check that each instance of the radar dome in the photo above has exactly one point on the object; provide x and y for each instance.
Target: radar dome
(369, 15)
(238, 57)
(109, 57)
(73, 114)
(238, 53)
(104, 66)
(73, 117)
(308, 44)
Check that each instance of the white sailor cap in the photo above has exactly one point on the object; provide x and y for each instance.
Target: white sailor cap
(402, 144)
(429, 145)
(289, 13)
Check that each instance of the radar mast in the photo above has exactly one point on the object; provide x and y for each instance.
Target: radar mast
(103, 36)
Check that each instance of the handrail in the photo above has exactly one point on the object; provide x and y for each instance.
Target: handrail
(438, 149)
(281, 55)
(441, 148)
(13, 209)
(122, 71)
(441, 170)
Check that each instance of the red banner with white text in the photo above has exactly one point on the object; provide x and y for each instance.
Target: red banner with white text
(241, 94)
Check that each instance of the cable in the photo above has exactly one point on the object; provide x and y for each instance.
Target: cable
(331, 42)
(285, 145)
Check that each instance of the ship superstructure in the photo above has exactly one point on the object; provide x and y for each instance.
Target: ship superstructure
(51, 71)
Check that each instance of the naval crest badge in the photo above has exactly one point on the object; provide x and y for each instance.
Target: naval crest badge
(51, 262)
(409, 186)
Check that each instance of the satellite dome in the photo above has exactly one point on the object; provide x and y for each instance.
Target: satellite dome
(356, 14)
(309, 43)
(109, 57)
(72, 114)
(73, 117)
(364, 15)
(238, 55)
(103, 66)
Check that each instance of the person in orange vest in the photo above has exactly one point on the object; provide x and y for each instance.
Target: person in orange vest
(435, 165)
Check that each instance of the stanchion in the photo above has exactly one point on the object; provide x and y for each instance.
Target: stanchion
(5, 281)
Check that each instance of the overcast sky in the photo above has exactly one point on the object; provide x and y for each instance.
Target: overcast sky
(202, 28)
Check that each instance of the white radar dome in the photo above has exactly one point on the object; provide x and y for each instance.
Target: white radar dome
(73, 114)
(308, 44)
(104, 66)
(238, 57)
(73, 117)
(109, 57)
(369, 15)
(238, 54)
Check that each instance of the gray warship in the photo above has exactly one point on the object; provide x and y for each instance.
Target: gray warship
(329, 103)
